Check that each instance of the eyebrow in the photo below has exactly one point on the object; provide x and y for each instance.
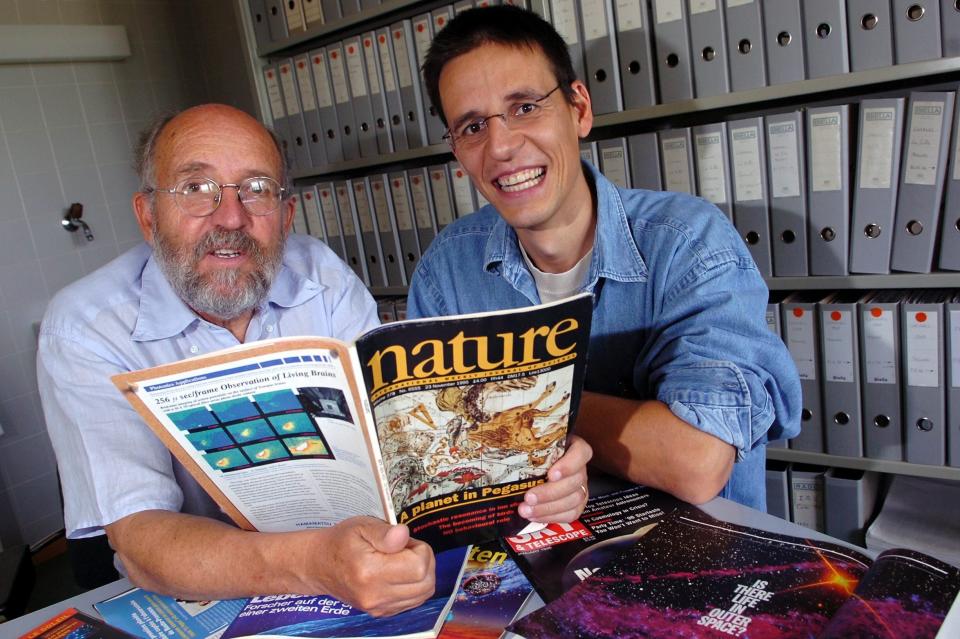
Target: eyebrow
(201, 168)
(520, 95)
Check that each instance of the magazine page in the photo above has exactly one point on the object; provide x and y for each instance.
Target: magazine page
(904, 595)
(472, 410)
(72, 623)
(155, 616)
(273, 431)
(560, 556)
(696, 576)
(325, 616)
(493, 589)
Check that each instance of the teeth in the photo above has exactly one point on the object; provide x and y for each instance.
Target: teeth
(226, 253)
(520, 180)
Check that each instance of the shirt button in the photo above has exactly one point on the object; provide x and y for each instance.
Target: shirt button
(194, 349)
(269, 328)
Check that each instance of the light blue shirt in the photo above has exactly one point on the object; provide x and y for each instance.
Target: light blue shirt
(126, 317)
(678, 315)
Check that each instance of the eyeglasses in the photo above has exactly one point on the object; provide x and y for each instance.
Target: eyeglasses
(200, 196)
(475, 132)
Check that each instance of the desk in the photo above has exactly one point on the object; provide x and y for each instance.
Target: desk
(718, 507)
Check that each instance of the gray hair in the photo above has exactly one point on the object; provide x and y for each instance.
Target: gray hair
(145, 154)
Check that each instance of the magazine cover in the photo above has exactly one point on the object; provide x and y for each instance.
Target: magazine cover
(493, 589)
(559, 556)
(325, 616)
(153, 616)
(73, 624)
(695, 576)
(441, 424)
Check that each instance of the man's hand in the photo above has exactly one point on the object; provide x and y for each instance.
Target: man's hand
(376, 567)
(563, 496)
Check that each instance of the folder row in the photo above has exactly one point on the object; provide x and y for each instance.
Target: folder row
(879, 371)
(381, 223)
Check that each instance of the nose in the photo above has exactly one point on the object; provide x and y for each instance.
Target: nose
(502, 141)
(230, 212)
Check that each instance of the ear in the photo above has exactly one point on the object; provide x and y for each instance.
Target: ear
(286, 215)
(582, 108)
(143, 209)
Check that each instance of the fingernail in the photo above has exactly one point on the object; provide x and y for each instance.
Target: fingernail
(525, 511)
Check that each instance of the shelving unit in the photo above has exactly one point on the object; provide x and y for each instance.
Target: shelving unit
(864, 463)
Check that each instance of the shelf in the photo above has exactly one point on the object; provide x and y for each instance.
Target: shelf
(388, 291)
(893, 280)
(677, 113)
(863, 463)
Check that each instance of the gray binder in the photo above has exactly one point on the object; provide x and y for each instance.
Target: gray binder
(953, 380)
(849, 498)
(278, 112)
(950, 233)
(672, 46)
(635, 53)
(297, 223)
(408, 81)
(341, 98)
(787, 188)
(441, 195)
(877, 181)
(291, 99)
(950, 28)
(542, 9)
(748, 61)
(293, 13)
(676, 160)
(406, 226)
(600, 51)
(916, 30)
(423, 215)
(261, 26)
(566, 20)
(312, 126)
(880, 362)
(311, 213)
(778, 489)
(330, 218)
(331, 10)
(772, 317)
(921, 180)
(360, 97)
(644, 161)
(708, 48)
(313, 15)
(825, 37)
(748, 171)
(352, 238)
(391, 90)
(783, 41)
(806, 495)
(589, 153)
(828, 189)
(349, 7)
(462, 5)
(422, 37)
(387, 232)
(367, 231)
(378, 98)
(276, 20)
(871, 34)
(326, 108)
(924, 404)
(712, 161)
(613, 161)
(840, 373)
(801, 335)
(462, 190)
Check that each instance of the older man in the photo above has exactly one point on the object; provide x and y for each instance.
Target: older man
(217, 269)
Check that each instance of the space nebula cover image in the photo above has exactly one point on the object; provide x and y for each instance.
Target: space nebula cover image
(693, 576)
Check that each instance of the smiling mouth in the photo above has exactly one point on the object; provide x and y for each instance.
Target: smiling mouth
(521, 180)
(226, 253)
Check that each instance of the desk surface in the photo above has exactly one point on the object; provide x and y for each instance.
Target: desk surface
(720, 508)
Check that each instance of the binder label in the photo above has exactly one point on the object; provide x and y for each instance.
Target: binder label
(404, 74)
(461, 190)
(346, 217)
(313, 12)
(772, 317)
(386, 64)
(380, 204)
(825, 170)
(373, 77)
(668, 10)
(784, 163)
(594, 19)
(320, 81)
(614, 165)
(358, 84)
(339, 76)
(311, 210)
(702, 6)
(565, 21)
(629, 15)
(421, 203)
(747, 173)
(800, 342)
(923, 360)
(297, 215)
(710, 173)
(294, 15)
(676, 165)
(401, 205)
(876, 147)
(301, 67)
(273, 95)
(421, 37)
(363, 207)
(837, 346)
(923, 151)
(879, 356)
(441, 197)
(289, 89)
(329, 210)
(955, 349)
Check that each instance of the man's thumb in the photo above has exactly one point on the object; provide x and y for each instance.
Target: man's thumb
(390, 539)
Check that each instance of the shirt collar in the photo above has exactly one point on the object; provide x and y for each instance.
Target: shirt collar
(615, 252)
(163, 314)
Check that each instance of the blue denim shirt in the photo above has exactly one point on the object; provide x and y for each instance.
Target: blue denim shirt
(678, 314)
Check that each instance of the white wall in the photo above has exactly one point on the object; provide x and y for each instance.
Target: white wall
(66, 133)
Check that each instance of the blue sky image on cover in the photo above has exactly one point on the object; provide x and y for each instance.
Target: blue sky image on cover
(234, 409)
(192, 418)
(276, 401)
